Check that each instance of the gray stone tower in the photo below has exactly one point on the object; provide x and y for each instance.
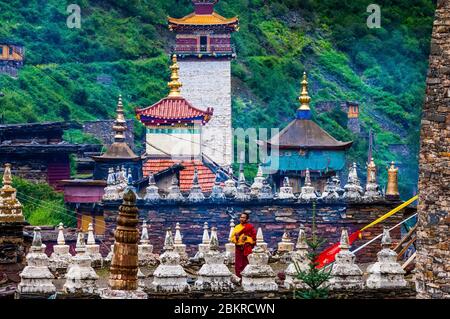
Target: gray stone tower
(204, 51)
(433, 258)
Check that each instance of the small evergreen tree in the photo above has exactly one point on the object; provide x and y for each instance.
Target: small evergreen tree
(314, 277)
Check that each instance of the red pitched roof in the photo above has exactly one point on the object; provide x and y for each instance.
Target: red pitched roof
(206, 177)
(174, 108)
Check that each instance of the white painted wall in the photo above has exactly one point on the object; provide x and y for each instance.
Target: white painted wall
(175, 144)
(208, 84)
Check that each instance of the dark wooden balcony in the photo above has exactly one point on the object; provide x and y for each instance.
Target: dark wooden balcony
(216, 50)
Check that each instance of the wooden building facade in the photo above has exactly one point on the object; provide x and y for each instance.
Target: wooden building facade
(37, 151)
(12, 57)
(204, 32)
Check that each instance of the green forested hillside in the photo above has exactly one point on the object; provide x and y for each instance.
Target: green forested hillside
(384, 69)
(42, 205)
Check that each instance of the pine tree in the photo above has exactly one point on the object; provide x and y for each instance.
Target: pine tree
(314, 277)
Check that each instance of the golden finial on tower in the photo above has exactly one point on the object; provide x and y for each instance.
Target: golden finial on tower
(120, 125)
(392, 186)
(304, 98)
(174, 84)
(10, 207)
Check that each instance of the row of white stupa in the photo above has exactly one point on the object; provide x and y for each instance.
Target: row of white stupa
(260, 189)
(214, 275)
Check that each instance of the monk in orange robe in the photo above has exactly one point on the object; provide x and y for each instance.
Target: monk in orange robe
(244, 237)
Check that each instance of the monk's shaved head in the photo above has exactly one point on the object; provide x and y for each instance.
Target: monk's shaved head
(244, 218)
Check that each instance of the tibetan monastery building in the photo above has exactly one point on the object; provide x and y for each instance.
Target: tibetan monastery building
(304, 145)
(174, 138)
(204, 32)
(204, 50)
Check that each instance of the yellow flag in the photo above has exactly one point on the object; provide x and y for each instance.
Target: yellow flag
(392, 212)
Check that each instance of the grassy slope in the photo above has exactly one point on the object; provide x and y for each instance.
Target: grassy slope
(383, 69)
(42, 205)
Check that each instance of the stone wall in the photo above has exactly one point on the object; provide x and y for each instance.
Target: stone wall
(433, 254)
(326, 106)
(102, 129)
(380, 294)
(13, 247)
(354, 125)
(207, 83)
(272, 218)
(33, 169)
(10, 67)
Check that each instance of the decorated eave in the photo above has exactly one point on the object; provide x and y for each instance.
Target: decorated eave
(306, 134)
(173, 110)
(303, 133)
(213, 20)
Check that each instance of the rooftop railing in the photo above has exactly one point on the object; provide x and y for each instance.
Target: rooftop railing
(211, 50)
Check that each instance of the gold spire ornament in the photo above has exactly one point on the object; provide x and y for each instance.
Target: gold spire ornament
(120, 125)
(174, 84)
(371, 172)
(10, 207)
(304, 98)
(392, 186)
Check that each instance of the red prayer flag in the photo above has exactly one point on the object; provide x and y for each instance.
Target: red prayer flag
(327, 256)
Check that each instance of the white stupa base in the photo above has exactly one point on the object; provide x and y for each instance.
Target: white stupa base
(108, 293)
